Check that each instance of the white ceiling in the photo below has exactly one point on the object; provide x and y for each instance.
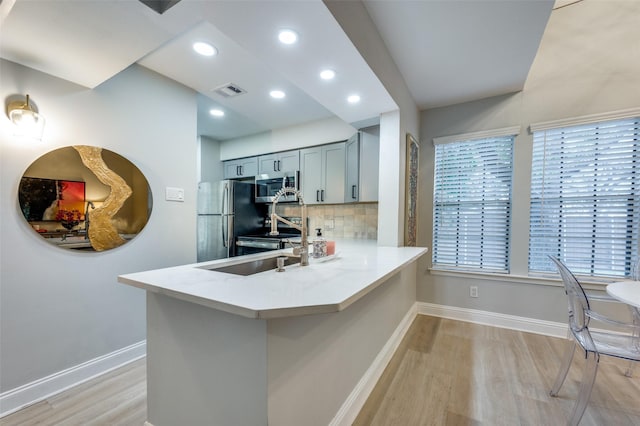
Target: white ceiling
(448, 51)
(457, 51)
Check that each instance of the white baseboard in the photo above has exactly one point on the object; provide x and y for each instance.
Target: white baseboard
(531, 325)
(356, 399)
(25, 395)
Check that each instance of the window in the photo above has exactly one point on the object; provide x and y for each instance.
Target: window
(472, 204)
(585, 197)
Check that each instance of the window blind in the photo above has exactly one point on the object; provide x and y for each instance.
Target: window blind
(472, 204)
(585, 197)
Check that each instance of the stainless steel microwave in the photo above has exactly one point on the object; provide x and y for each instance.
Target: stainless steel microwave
(267, 185)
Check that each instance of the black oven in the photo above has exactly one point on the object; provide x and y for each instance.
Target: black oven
(250, 244)
(262, 240)
(267, 185)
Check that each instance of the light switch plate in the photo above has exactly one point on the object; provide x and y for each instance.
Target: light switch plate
(174, 194)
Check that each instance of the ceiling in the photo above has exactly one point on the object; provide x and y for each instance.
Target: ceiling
(448, 51)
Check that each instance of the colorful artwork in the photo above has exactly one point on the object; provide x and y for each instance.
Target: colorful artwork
(45, 199)
(71, 197)
(411, 223)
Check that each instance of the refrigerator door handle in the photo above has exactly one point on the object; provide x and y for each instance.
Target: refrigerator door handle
(229, 241)
(224, 217)
(223, 230)
(225, 197)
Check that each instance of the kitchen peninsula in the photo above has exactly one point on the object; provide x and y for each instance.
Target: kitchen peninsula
(276, 348)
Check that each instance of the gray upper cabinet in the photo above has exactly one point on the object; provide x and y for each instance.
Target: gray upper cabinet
(311, 174)
(334, 173)
(352, 185)
(322, 170)
(363, 153)
(369, 163)
(241, 168)
(287, 161)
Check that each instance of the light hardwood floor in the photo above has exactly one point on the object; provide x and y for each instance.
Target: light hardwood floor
(116, 398)
(455, 373)
(445, 372)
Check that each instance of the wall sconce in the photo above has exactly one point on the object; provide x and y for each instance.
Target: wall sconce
(26, 119)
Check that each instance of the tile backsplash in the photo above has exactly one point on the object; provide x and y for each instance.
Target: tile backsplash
(352, 221)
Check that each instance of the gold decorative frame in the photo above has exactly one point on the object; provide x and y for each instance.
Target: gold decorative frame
(411, 192)
(114, 204)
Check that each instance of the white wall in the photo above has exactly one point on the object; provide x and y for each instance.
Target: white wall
(308, 134)
(209, 165)
(60, 308)
(578, 71)
(389, 197)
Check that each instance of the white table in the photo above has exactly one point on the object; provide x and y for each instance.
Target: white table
(626, 291)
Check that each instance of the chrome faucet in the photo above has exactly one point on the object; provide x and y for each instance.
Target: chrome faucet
(302, 250)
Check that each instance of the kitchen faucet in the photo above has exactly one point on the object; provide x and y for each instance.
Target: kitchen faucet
(303, 250)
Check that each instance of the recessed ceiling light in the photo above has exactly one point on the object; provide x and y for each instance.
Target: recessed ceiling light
(327, 74)
(277, 94)
(205, 49)
(353, 99)
(216, 112)
(287, 36)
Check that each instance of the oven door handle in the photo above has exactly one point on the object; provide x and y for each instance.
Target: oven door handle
(270, 245)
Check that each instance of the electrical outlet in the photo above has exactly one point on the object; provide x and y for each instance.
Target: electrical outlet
(473, 291)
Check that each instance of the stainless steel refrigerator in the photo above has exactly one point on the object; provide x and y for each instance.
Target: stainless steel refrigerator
(226, 209)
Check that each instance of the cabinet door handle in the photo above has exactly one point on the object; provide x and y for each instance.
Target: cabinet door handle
(322, 195)
(275, 167)
(278, 165)
(353, 192)
(318, 196)
(237, 170)
(241, 171)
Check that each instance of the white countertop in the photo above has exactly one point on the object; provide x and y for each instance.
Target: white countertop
(324, 286)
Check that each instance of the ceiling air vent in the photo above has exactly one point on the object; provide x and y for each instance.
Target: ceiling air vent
(229, 90)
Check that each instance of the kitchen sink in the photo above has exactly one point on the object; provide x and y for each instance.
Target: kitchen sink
(255, 266)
